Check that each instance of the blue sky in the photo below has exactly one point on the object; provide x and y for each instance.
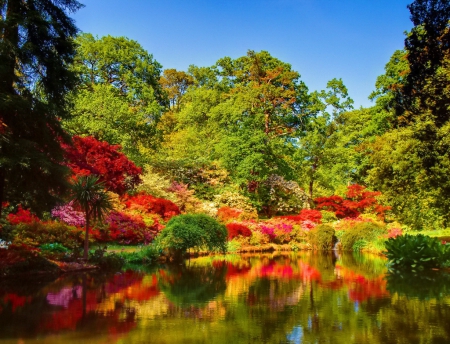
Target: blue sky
(321, 39)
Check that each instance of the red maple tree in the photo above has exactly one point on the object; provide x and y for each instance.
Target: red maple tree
(357, 200)
(88, 156)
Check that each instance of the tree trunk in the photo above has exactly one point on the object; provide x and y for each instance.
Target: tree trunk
(311, 185)
(86, 237)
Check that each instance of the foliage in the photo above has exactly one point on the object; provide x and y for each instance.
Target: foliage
(106, 261)
(305, 215)
(234, 229)
(144, 255)
(147, 204)
(357, 200)
(91, 197)
(367, 231)
(119, 98)
(184, 197)
(235, 200)
(417, 252)
(36, 50)
(21, 216)
(226, 214)
(193, 231)
(321, 237)
(126, 229)
(41, 233)
(328, 216)
(54, 247)
(155, 184)
(87, 155)
(67, 214)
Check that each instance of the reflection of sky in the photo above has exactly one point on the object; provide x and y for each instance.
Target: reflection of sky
(296, 336)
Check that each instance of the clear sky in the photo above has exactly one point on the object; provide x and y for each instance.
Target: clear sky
(321, 39)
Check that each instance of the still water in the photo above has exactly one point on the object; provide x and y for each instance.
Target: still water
(294, 298)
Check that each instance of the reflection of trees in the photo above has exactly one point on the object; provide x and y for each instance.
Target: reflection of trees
(426, 285)
(192, 285)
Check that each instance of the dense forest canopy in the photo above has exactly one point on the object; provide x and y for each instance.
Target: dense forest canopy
(246, 129)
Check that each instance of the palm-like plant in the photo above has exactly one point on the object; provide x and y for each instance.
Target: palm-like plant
(94, 201)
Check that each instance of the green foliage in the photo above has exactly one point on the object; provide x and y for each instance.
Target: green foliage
(36, 50)
(355, 238)
(92, 198)
(192, 231)
(119, 99)
(328, 216)
(106, 261)
(144, 255)
(54, 247)
(416, 252)
(321, 237)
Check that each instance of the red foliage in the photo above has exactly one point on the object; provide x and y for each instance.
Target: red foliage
(127, 229)
(89, 156)
(21, 216)
(235, 229)
(226, 214)
(152, 205)
(357, 200)
(305, 215)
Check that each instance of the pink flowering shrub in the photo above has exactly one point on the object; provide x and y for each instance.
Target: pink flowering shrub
(307, 225)
(67, 214)
(277, 229)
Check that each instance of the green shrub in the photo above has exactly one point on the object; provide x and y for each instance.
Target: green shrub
(40, 233)
(54, 247)
(106, 261)
(328, 216)
(360, 234)
(321, 237)
(192, 231)
(417, 252)
(146, 255)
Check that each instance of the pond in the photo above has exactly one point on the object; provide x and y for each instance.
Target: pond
(294, 298)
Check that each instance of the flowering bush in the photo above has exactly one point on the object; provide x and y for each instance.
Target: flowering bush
(235, 229)
(226, 214)
(394, 232)
(308, 225)
(21, 216)
(348, 223)
(67, 214)
(277, 229)
(147, 204)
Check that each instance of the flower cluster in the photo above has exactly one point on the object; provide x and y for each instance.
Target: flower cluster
(67, 214)
(235, 229)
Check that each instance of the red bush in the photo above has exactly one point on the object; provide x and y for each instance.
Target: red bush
(235, 229)
(357, 200)
(152, 205)
(21, 216)
(305, 215)
(226, 214)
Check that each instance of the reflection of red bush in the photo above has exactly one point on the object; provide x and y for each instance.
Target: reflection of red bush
(235, 229)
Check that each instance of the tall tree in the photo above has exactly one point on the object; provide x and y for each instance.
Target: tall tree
(36, 49)
(120, 99)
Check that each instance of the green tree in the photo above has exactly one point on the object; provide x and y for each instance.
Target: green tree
(36, 48)
(95, 202)
(119, 99)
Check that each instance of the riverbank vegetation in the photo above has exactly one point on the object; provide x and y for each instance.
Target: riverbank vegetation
(240, 155)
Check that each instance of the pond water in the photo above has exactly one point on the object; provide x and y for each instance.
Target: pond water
(293, 298)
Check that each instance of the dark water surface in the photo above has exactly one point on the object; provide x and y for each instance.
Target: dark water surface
(295, 298)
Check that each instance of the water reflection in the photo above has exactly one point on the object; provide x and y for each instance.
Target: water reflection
(303, 298)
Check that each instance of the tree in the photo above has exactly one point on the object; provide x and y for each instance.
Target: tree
(316, 146)
(86, 156)
(92, 198)
(36, 48)
(175, 84)
(119, 99)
